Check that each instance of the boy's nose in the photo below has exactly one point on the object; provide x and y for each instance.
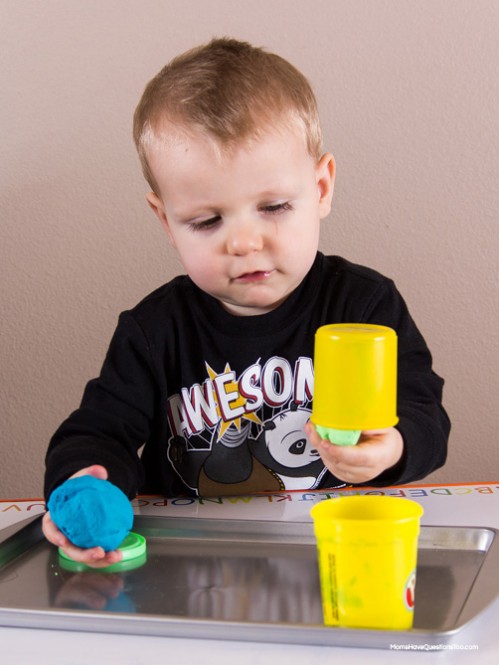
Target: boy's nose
(244, 238)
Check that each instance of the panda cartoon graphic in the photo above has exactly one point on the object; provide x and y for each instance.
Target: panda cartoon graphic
(284, 448)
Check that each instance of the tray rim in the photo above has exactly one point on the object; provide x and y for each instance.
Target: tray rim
(29, 533)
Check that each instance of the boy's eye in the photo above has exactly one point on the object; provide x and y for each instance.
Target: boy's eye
(277, 208)
(205, 224)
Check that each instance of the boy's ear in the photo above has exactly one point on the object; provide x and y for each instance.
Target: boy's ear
(156, 205)
(325, 174)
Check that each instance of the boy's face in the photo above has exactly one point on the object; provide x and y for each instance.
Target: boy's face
(245, 221)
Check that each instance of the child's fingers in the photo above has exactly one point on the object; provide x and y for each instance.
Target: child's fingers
(52, 533)
(376, 451)
(95, 557)
(349, 463)
(96, 470)
(312, 435)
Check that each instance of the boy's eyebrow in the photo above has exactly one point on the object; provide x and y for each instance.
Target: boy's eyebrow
(277, 192)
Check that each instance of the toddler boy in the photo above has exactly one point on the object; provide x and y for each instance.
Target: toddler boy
(213, 371)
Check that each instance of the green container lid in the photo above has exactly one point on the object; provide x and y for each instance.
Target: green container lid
(133, 549)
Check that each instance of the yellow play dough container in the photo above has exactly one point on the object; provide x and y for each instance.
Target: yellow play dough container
(367, 554)
(355, 368)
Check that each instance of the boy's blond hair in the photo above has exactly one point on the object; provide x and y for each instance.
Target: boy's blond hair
(229, 89)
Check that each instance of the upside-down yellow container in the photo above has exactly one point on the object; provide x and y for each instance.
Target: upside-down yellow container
(367, 553)
(355, 367)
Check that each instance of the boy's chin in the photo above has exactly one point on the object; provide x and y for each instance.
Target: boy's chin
(249, 309)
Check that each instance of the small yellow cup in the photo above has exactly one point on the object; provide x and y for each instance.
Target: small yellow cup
(367, 552)
(355, 367)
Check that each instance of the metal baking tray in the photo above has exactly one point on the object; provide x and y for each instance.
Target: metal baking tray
(235, 580)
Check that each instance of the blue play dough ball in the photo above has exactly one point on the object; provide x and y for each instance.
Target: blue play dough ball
(91, 512)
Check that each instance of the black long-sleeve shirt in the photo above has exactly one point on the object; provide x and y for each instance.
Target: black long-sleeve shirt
(194, 400)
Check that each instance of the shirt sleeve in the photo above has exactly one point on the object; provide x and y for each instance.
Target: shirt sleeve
(114, 418)
(423, 422)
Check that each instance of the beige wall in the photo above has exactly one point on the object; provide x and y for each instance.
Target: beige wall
(409, 96)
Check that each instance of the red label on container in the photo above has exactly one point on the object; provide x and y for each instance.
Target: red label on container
(409, 591)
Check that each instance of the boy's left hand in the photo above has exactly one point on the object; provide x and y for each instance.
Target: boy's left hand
(376, 451)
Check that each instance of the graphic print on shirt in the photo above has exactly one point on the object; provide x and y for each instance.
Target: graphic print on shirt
(245, 434)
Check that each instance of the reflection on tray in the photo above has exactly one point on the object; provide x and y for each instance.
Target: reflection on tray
(219, 586)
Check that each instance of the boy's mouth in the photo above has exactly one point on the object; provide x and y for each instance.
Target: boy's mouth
(255, 276)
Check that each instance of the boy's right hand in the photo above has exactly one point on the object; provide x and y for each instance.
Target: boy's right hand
(95, 557)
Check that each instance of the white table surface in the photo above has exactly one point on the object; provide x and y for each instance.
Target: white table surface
(455, 505)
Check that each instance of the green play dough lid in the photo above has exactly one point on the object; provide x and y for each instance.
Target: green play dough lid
(340, 437)
(133, 549)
